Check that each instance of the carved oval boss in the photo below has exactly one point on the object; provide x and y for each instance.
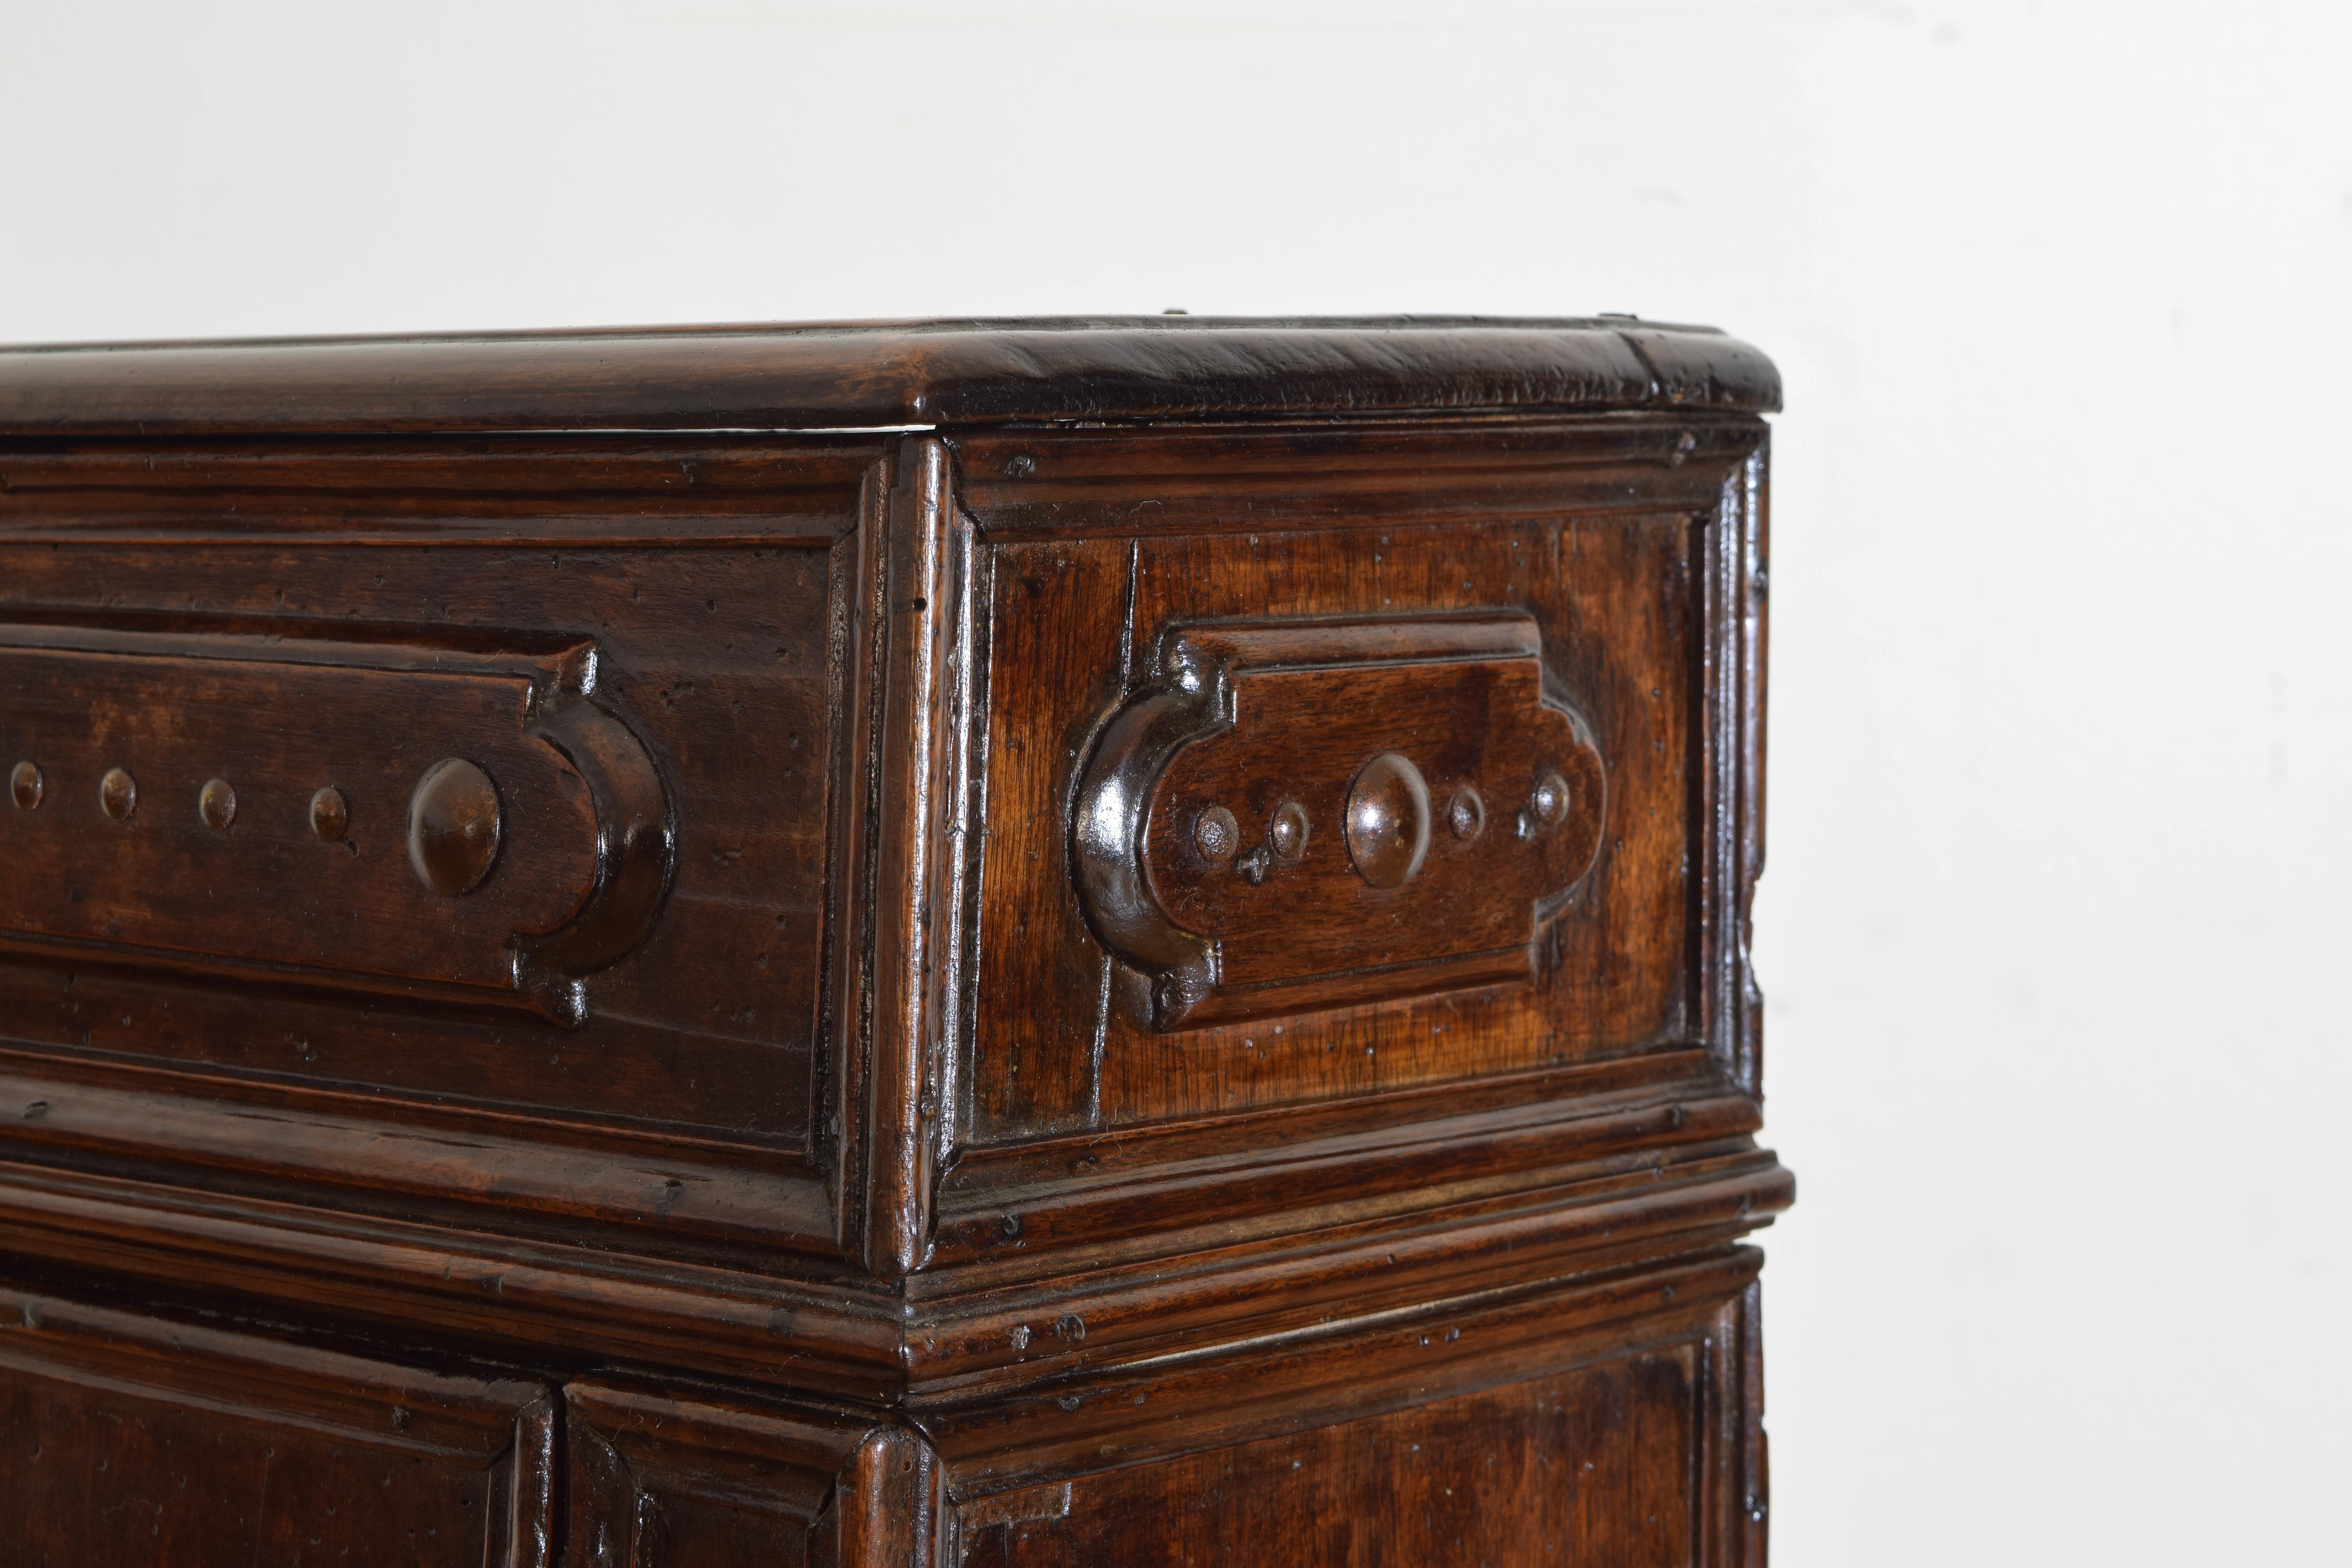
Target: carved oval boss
(1307, 814)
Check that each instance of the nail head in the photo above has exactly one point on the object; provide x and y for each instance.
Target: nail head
(1217, 834)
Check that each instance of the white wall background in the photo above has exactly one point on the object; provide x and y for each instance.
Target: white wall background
(2062, 729)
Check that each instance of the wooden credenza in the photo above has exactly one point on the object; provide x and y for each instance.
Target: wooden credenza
(1031, 944)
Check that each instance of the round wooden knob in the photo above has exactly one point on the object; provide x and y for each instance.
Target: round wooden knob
(216, 804)
(330, 815)
(1548, 805)
(118, 791)
(1466, 814)
(453, 826)
(1287, 831)
(1388, 821)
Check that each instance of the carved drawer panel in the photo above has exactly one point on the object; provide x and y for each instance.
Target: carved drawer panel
(342, 780)
(1361, 862)
(441, 817)
(1319, 806)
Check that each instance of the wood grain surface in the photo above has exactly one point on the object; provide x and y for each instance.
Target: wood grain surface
(879, 373)
(127, 1439)
(1622, 603)
(842, 1192)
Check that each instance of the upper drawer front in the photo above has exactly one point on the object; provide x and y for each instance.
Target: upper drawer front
(495, 777)
(1330, 767)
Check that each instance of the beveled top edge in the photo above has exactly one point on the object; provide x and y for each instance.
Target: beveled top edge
(880, 374)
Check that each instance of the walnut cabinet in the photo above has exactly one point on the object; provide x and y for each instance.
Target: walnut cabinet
(1036, 943)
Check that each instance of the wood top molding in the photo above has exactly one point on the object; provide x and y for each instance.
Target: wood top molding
(882, 373)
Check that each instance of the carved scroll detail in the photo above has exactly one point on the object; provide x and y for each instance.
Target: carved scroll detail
(272, 831)
(636, 843)
(1296, 814)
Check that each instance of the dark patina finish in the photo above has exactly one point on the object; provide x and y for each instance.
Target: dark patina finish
(1032, 943)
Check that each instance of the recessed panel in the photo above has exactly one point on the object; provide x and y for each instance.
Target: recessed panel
(670, 700)
(1595, 1466)
(124, 1440)
(1293, 814)
(1549, 917)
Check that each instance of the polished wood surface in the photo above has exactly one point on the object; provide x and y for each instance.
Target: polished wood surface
(1352, 874)
(130, 1439)
(849, 374)
(1151, 971)
(243, 876)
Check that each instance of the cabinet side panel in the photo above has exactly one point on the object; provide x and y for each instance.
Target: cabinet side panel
(1593, 1466)
(1064, 1040)
(1057, 622)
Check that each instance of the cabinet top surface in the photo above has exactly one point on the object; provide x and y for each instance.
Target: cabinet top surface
(882, 375)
